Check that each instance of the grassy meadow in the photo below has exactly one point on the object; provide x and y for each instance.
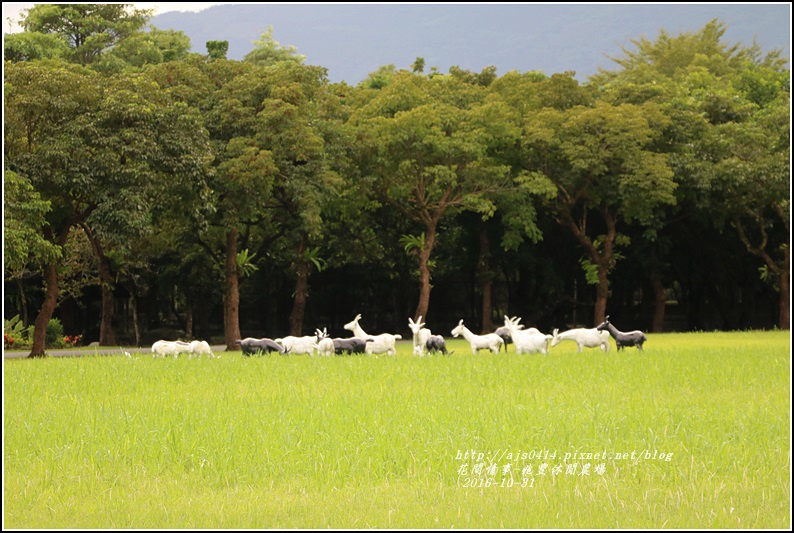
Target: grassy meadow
(694, 432)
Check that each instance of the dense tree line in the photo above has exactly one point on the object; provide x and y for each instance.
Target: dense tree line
(147, 186)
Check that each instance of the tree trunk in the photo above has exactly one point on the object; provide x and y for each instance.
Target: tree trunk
(53, 289)
(231, 327)
(189, 321)
(780, 270)
(486, 280)
(47, 308)
(424, 272)
(659, 304)
(659, 300)
(134, 312)
(785, 297)
(107, 334)
(23, 304)
(602, 294)
(301, 295)
(602, 259)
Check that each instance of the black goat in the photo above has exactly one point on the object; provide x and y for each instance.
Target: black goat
(251, 346)
(435, 343)
(632, 338)
(351, 345)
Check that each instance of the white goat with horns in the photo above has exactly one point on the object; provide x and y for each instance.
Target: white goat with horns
(421, 334)
(384, 342)
(527, 341)
(491, 341)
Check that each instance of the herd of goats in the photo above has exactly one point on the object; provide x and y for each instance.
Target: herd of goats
(525, 340)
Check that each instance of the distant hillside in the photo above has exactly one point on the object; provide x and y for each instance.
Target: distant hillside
(353, 40)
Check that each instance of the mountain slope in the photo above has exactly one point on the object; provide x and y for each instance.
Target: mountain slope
(353, 40)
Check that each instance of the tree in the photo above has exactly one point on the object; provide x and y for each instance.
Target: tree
(729, 133)
(267, 51)
(93, 147)
(601, 160)
(380, 78)
(429, 151)
(90, 30)
(24, 218)
(296, 118)
(217, 49)
(152, 47)
(244, 169)
(751, 179)
(27, 46)
(45, 108)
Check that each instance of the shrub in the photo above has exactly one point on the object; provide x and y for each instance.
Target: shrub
(53, 338)
(15, 334)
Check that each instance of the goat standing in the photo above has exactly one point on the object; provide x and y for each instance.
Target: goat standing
(421, 334)
(380, 343)
(590, 338)
(491, 341)
(632, 338)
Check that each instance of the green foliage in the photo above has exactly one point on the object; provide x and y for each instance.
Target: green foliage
(20, 337)
(380, 78)
(54, 335)
(484, 78)
(77, 268)
(24, 216)
(29, 46)
(334, 175)
(413, 244)
(591, 270)
(152, 47)
(267, 51)
(90, 30)
(312, 255)
(217, 49)
(245, 263)
(16, 335)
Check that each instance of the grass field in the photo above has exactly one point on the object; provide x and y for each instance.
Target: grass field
(701, 423)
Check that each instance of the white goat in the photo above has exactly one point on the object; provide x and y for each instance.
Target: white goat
(199, 348)
(510, 322)
(421, 334)
(166, 348)
(381, 343)
(299, 345)
(325, 344)
(491, 341)
(590, 338)
(527, 341)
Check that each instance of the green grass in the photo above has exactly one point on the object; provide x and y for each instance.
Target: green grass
(312, 442)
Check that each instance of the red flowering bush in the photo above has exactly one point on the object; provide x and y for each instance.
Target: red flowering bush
(72, 340)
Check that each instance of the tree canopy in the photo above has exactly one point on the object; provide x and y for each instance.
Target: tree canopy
(257, 195)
